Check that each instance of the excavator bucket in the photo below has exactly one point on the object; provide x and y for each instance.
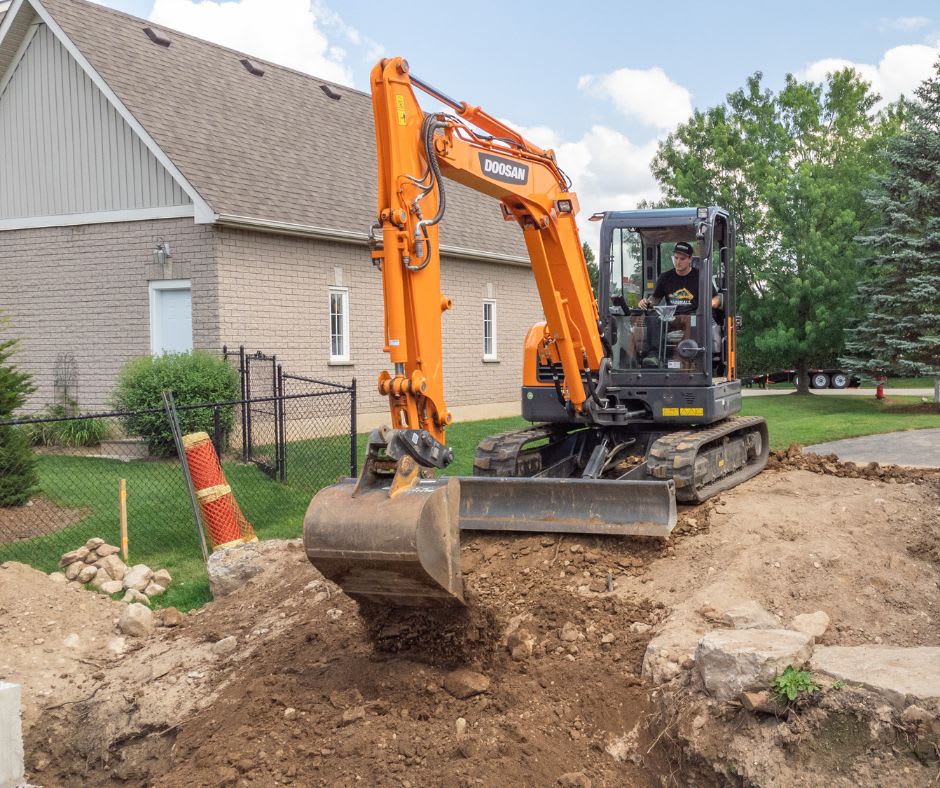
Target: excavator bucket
(582, 506)
(399, 549)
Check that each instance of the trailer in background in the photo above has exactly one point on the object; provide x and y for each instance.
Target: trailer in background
(829, 378)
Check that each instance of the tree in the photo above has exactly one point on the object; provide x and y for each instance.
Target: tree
(593, 271)
(792, 168)
(17, 464)
(900, 294)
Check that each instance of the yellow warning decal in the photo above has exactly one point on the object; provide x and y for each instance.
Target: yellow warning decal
(400, 106)
(670, 411)
(691, 412)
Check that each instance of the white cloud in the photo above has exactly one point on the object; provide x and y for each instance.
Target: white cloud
(900, 70)
(904, 23)
(647, 95)
(288, 32)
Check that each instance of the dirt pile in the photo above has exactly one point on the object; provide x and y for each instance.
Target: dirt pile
(793, 458)
(284, 682)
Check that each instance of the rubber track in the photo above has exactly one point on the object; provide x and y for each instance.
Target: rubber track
(673, 457)
(498, 455)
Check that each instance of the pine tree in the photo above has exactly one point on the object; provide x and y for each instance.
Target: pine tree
(901, 281)
(17, 464)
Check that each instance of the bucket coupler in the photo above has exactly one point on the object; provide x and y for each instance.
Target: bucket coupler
(392, 536)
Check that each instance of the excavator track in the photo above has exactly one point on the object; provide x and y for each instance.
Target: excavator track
(696, 459)
(503, 455)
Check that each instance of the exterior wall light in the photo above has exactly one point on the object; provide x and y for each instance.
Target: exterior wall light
(162, 256)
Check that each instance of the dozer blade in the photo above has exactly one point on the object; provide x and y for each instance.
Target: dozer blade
(398, 550)
(581, 506)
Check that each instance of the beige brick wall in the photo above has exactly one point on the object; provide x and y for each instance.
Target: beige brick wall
(273, 294)
(84, 290)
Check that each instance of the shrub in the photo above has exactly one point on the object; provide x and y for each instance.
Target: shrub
(18, 476)
(71, 433)
(192, 377)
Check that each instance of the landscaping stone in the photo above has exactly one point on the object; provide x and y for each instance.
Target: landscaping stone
(73, 556)
(232, 567)
(171, 617)
(814, 624)
(162, 577)
(111, 587)
(138, 577)
(87, 574)
(749, 615)
(734, 661)
(153, 589)
(133, 595)
(902, 675)
(72, 570)
(136, 620)
(113, 565)
(463, 683)
(58, 577)
(94, 543)
(107, 549)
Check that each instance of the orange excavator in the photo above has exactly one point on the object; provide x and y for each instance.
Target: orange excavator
(632, 406)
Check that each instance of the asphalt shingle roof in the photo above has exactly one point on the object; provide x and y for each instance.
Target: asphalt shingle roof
(275, 147)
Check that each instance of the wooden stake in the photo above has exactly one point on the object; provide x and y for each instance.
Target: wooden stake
(122, 498)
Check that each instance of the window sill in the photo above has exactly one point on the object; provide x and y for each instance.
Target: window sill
(332, 363)
(490, 360)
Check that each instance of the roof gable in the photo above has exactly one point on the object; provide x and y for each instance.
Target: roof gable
(273, 150)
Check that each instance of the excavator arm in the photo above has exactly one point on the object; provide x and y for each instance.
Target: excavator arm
(415, 152)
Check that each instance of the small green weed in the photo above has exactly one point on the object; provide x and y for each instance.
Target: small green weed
(789, 684)
(837, 685)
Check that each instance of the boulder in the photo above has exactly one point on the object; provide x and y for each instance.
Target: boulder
(73, 556)
(232, 567)
(569, 632)
(111, 587)
(72, 570)
(749, 615)
(153, 589)
(814, 624)
(90, 557)
(94, 543)
(171, 617)
(463, 683)
(902, 675)
(138, 577)
(737, 660)
(162, 577)
(107, 549)
(136, 620)
(133, 595)
(669, 650)
(225, 646)
(113, 565)
(87, 574)
(58, 577)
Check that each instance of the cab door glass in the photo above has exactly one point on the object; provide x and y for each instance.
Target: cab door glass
(626, 270)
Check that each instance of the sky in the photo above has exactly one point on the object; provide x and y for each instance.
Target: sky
(602, 83)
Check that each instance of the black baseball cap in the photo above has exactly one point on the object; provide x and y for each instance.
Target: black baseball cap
(684, 247)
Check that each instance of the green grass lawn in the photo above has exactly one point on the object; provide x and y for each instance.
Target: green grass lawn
(161, 528)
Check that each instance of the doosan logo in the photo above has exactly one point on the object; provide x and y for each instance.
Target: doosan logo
(503, 169)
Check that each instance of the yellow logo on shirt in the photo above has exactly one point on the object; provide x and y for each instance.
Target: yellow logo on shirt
(682, 295)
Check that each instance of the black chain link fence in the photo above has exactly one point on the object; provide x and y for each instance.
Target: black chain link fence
(276, 452)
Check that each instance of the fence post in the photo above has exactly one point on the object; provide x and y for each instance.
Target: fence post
(247, 410)
(243, 374)
(280, 432)
(353, 459)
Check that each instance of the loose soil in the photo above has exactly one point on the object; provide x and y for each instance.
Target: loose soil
(315, 694)
(38, 517)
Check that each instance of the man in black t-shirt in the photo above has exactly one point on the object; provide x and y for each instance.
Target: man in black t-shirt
(677, 286)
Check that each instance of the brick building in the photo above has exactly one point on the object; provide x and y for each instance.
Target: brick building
(122, 142)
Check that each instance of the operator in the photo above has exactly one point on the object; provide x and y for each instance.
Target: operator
(677, 286)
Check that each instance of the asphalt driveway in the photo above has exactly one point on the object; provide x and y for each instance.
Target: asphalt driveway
(913, 448)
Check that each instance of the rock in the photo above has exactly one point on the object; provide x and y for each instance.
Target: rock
(73, 569)
(749, 615)
(463, 683)
(813, 624)
(72, 640)
(343, 699)
(520, 643)
(136, 620)
(134, 595)
(574, 780)
(153, 590)
(225, 646)
(668, 651)
(640, 627)
(94, 543)
(138, 577)
(172, 617)
(72, 557)
(117, 646)
(569, 632)
(900, 674)
(608, 639)
(91, 557)
(352, 715)
(736, 660)
(334, 614)
(111, 587)
(76, 585)
(232, 567)
(58, 577)
(87, 574)
(162, 577)
(914, 714)
(763, 701)
(461, 726)
(107, 549)
(113, 565)
(290, 713)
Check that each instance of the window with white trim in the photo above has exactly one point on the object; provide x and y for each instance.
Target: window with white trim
(339, 325)
(489, 330)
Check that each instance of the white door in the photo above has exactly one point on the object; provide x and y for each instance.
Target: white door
(171, 316)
